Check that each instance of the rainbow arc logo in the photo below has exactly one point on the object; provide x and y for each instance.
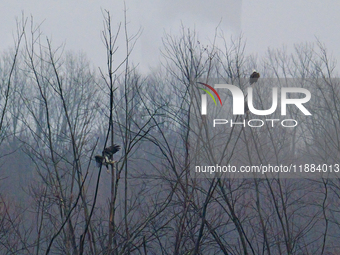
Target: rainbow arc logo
(209, 93)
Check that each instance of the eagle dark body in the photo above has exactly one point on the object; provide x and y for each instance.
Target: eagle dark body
(109, 151)
(99, 159)
(107, 157)
(254, 77)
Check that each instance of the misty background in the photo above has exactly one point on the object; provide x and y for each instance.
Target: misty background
(263, 23)
(58, 110)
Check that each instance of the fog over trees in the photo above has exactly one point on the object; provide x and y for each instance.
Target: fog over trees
(57, 112)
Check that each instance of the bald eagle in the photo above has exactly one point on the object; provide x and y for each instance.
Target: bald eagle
(109, 151)
(100, 161)
(254, 77)
(107, 156)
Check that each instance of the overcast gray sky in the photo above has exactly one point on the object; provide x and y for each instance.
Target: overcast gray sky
(264, 23)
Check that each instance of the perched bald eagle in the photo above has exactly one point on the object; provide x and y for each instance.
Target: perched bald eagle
(254, 77)
(107, 157)
(100, 161)
(109, 151)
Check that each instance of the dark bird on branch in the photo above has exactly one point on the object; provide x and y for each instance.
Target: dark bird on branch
(107, 157)
(254, 77)
(109, 151)
(100, 160)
